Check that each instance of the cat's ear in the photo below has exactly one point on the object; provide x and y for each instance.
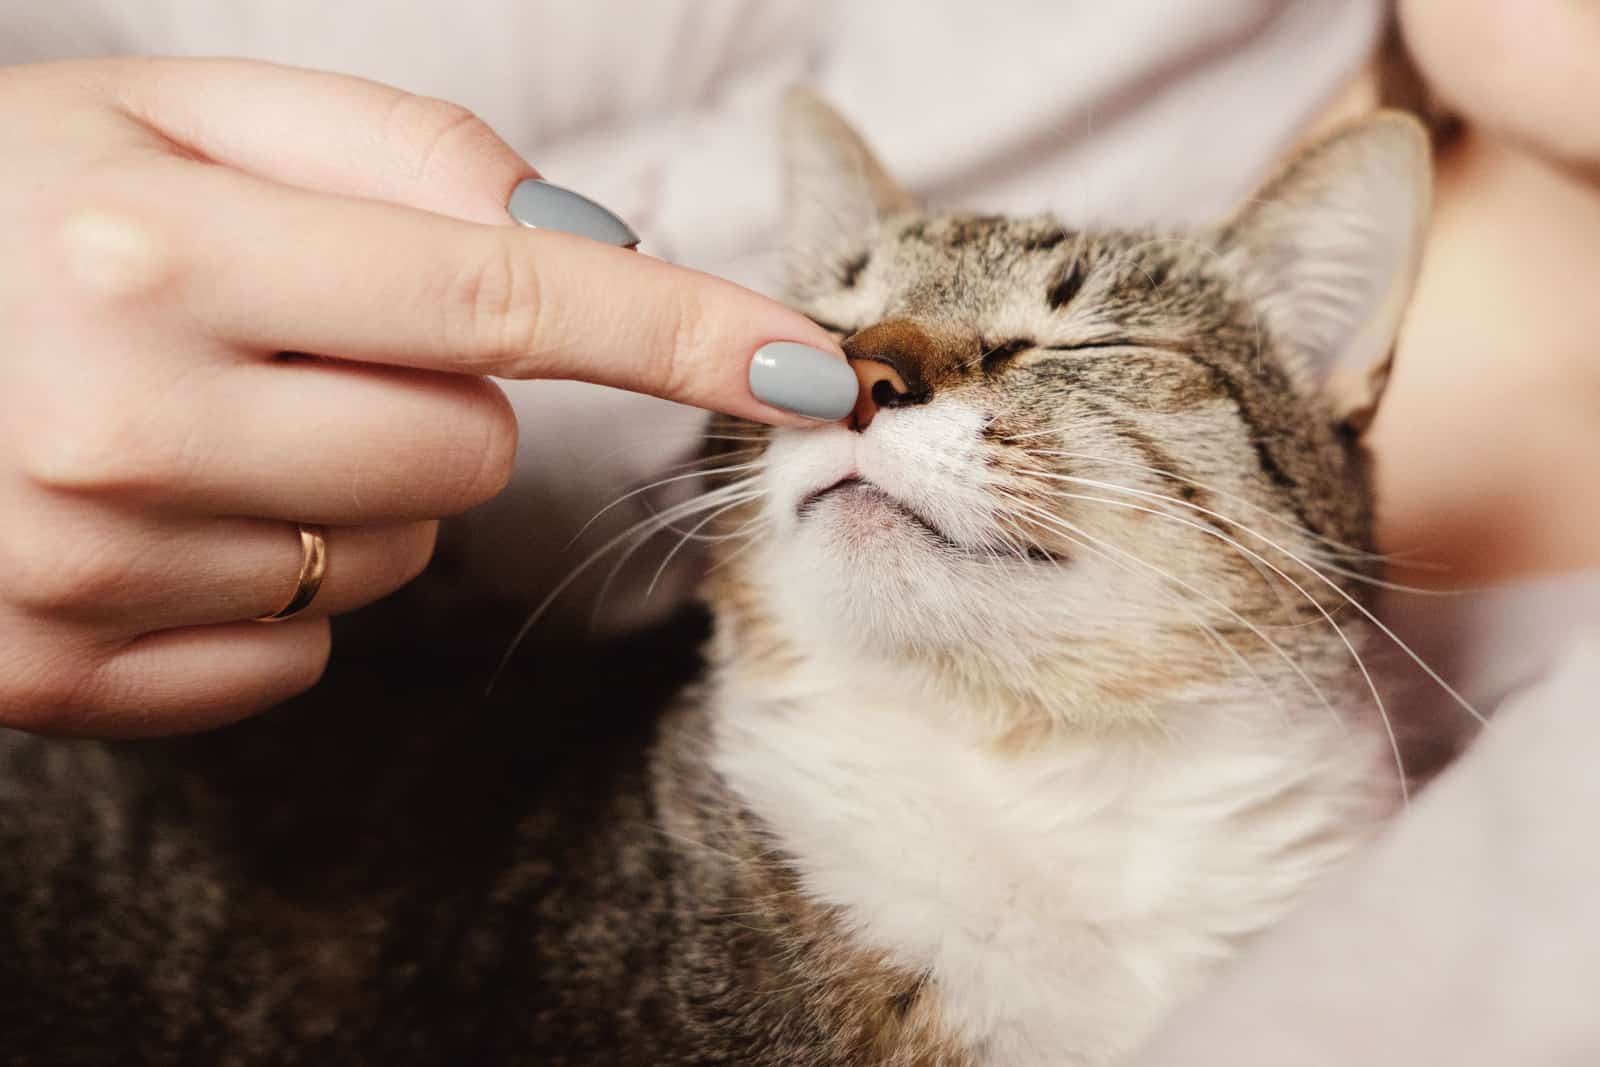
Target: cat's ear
(835, 192)
(1329, 250)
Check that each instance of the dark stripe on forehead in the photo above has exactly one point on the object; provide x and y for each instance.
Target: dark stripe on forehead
(955, 232)
(850, 272)
(1065, 285)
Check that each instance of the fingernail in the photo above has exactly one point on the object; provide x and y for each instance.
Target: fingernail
(541, 205)
(806, 381)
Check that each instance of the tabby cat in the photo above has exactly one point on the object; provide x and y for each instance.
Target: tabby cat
(1032, 693)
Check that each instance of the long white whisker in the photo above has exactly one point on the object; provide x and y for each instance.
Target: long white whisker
(750, 542)
(1048, 518)
(737, 490)
(1209, 631)
(1372, 686)
(658, 484)
(1235, 523)
(1352, 601)
(1339, 547)
(646, 527)
(662, 569)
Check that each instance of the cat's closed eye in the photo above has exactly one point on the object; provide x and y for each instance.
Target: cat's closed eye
(997, 356)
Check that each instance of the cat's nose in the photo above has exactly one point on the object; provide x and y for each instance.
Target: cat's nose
(895, 362)
(882, 386)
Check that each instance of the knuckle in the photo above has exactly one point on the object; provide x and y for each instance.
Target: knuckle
(434, 131)
(497, 304)
(53, 575)
(45, 691)
(689, 336)
(93, 448)
(112, 254)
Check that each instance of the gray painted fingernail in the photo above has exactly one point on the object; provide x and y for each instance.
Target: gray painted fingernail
(806, 381)
(542, 205)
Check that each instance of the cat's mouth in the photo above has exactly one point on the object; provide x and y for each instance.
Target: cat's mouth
(872, 493)
(854, 484)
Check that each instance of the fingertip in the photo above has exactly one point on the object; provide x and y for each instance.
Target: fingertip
(762, 360)
(542, 205)
(796, 380)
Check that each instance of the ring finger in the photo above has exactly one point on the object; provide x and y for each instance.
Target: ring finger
(137, 574)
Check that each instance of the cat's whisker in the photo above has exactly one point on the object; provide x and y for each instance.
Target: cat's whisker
(1229, 520)
(750, 542)
(704, 538)
(668, 558)
(1339, 547)
(1051, 520)
(1011, 543)
(1209, 631)
(1330, 583)
(1335, 547)
(752, 438)
(712, 498)
(1361, 665)
(1266, 578)
(662, 482)
(642, 530)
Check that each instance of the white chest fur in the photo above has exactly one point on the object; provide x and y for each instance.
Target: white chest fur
(1063, 896)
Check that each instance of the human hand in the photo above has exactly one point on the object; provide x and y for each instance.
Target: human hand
(173, 229)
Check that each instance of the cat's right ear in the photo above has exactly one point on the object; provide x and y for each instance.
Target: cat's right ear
(1330, 250)
(835, 192)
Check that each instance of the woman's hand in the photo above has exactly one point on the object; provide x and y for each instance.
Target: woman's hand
(173, 228)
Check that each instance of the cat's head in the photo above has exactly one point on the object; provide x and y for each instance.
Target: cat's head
(1078, 456)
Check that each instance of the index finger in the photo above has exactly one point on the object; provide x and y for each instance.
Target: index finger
(278, 268)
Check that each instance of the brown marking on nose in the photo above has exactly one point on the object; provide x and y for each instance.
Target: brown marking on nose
(899, 362)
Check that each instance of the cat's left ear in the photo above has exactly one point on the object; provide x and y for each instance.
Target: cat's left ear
(1329, 251)
(835, 192)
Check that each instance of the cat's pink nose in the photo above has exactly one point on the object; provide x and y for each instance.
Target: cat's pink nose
(881, 387)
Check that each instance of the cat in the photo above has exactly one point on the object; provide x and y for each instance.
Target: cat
(1031, 693)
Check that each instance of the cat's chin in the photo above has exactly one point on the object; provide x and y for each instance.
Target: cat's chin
(859, 516)
(863, 574)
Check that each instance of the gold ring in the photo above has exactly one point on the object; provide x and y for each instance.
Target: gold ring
(313, 565)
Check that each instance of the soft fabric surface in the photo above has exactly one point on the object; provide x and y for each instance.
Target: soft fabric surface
(1470, 936)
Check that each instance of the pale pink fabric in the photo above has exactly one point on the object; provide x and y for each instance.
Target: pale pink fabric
(1470, 937)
